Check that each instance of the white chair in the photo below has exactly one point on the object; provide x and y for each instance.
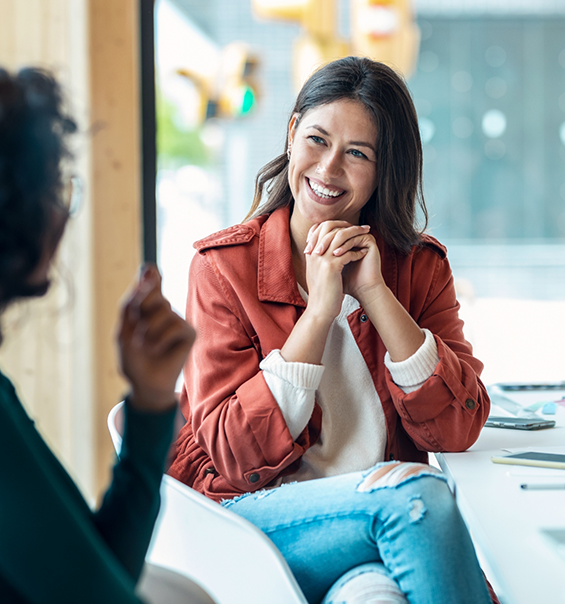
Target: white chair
(229, 557)
(159, 585)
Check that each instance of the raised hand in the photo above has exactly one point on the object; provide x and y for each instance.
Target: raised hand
(153, 344)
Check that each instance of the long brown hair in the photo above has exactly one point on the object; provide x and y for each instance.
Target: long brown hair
(392, 208)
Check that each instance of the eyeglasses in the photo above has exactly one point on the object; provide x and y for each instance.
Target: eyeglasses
(72, 194)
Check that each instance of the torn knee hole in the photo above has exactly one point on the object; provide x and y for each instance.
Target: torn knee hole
(416, 510)
(393, 475)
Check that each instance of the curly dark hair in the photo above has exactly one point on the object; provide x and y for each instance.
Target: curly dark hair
(33, 142)
(383, 92)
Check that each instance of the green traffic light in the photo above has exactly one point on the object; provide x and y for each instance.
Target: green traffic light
(247, 101)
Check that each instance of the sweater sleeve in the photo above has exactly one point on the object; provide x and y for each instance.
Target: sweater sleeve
(410, 374)
(52, 546)
(294, 387)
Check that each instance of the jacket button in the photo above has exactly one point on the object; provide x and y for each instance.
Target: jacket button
(470, 403)
(209, 471)
(364, 318)
(391, 457)
(254, 477)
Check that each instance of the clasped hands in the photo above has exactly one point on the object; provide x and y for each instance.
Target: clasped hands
(341, 258)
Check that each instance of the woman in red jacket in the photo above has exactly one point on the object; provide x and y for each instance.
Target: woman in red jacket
(331, 357)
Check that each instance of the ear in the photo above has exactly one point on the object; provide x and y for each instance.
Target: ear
(292, 125)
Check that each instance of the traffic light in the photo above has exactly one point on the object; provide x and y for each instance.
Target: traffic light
(236, 81)
(385, 31)
(232, 91)
(319, 44)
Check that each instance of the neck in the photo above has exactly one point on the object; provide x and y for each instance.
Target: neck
(298, 234)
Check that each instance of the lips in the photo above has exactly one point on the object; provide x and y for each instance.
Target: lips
(321, 193)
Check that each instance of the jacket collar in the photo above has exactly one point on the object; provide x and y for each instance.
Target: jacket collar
(276, 279)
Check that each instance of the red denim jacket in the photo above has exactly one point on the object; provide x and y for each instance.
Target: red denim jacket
(244, 302)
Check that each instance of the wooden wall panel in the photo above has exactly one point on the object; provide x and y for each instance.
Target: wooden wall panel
(115, 186)
(59, 350)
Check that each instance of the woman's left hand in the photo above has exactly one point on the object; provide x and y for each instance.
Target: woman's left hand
(361, 278)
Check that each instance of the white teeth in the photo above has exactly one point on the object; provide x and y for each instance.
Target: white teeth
(324, 190)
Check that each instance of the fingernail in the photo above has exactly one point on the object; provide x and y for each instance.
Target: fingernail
(147, 272)
(308, 248)
(337, 251)
(311, 231)
(318, 250)
(365, 226)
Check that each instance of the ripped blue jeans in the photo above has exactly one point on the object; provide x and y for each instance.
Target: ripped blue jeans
(401, 515)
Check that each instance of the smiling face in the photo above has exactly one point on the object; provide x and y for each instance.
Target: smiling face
(332, 170)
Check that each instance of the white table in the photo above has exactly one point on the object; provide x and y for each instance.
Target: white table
(505, 520)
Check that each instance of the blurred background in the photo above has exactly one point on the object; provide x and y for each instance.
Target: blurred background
(488, 81)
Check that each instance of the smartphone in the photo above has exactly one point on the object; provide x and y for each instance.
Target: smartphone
(533, 458)
(519, 423)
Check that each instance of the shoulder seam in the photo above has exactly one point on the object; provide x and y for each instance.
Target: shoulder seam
(234, 235)
(433, 244)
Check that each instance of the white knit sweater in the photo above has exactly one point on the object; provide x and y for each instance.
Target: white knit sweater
(353, 433)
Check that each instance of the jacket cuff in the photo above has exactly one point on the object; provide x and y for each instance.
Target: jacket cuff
(293, 386)
(410, 374)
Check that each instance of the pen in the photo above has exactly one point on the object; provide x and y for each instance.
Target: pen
(543, 486)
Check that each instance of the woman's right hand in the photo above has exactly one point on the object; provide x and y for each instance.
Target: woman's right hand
(324, 280)
(324, 269)
(154, 343)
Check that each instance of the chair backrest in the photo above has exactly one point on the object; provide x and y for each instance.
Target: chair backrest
(234, 561)
(116, 425)
(158, 585)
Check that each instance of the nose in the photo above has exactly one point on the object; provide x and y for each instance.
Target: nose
(330, 164)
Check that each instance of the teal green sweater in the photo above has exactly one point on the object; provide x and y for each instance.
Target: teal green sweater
(53, 547)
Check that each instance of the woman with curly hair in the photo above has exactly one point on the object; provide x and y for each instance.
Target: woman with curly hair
(53, 547)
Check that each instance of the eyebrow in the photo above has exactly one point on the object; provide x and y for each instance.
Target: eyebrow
(356, 143)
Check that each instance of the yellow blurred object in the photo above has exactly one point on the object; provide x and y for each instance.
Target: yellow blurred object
(316, 16)
(309, 54)
(202, 85)
(385, 30)
(320, 43)
(233, 90)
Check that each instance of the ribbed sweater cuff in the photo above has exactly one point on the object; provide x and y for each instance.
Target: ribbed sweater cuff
(298, 375)
(414, 371)
(293, 386)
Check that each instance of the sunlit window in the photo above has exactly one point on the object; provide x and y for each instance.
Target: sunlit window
(489, 89)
